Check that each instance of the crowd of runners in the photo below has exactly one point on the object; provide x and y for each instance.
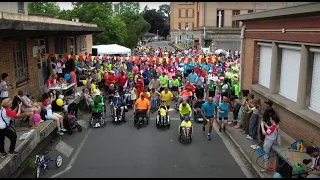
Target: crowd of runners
(179, 79)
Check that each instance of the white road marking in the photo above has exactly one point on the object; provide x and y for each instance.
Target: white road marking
(75, 156)
(233, 151)
(64, 148)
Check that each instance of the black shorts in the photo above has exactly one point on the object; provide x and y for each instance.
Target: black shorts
(224, 118)
(211, 93)
(174, 89)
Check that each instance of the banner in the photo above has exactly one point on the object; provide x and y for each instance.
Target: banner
(150, 60)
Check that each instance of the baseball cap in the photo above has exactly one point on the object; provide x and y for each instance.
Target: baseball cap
(269, 102)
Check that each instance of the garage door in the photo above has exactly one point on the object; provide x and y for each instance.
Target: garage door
(265, 65)
(315, 86)
(290, 68)
(225, 45)
(237, 45)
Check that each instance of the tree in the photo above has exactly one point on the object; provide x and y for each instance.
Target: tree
(146, 8)
(129, 6)
(44, 8)
(164, 10)
(136, 27)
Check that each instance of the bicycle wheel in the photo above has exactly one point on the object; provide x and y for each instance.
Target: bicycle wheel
(37, 175)
(59, 161)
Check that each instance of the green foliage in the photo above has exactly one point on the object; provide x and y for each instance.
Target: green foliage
(158, 20)
(124, 28)
(44, 8)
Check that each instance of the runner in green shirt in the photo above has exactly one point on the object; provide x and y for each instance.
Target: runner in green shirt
(96, 107)
(211, 88)
(175, 86)
(130, 74)
(164, 81)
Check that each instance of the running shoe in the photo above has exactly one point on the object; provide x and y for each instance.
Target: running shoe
(249, 137)
(3, 155)
(63, 129)
(60, 133)
(209, 136)
(203, 128)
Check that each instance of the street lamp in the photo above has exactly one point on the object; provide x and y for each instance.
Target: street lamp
(186, 36)
(157, 34)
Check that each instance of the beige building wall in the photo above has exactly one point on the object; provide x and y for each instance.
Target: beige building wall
(189, 18)
(208, 12)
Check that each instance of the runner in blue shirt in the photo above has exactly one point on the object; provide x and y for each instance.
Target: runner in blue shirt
(223, 113)
(192, 77)
(209, 113)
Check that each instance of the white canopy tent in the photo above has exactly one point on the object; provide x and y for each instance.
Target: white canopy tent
(112, 49)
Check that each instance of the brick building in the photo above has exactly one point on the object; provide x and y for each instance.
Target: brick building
(211, 24)
(281, 61)
(23, 37)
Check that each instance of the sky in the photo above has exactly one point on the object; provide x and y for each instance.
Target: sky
(151, 5)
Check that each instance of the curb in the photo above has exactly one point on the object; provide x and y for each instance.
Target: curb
(255, 167)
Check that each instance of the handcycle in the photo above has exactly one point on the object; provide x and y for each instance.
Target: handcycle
(43, 161)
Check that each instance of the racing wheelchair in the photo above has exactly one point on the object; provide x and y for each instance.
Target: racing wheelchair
(197, 111)
(141, 118)
(118, 117)
(182, 137)
(163, 118)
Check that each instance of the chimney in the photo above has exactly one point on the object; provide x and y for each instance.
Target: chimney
(75, 19)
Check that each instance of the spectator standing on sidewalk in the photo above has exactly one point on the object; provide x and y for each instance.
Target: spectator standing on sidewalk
(268, 113)
(4, 87)
(6, 130)
(254, 119)
(271, 135)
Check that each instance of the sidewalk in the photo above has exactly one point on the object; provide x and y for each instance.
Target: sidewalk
(179, 46)
(238, 137)
(10, 164)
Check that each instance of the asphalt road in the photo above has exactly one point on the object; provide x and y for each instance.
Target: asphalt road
(161, 44)
(121, 150)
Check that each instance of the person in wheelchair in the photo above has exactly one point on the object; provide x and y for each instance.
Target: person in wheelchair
(197, 107)
(199, 93)
(163, 112)
(185, 95)
(186, 125)
(116, 103)
(110, 92)
(96, 111)
(185, 110)
(141, 108)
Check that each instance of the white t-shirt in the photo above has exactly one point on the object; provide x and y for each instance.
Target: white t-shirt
(59, 67)
(225, 88)
(4, 93)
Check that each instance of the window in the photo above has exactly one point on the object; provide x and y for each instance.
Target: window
(83, 42)
(21, 7)
(187, 26)
(250, 11)
(20, 61)
(187, 13)
(235, 24)
(315, 84)
(61, 45)
(193, 13)
(220, 18)
(290, 69)
(265, 64)
(179, 13)
(180, 26)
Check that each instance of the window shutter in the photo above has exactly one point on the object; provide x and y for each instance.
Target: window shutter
(265, 66)
(193, 13)
(315, 85)
(290, 69)
(179, 13)
(222, 19)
